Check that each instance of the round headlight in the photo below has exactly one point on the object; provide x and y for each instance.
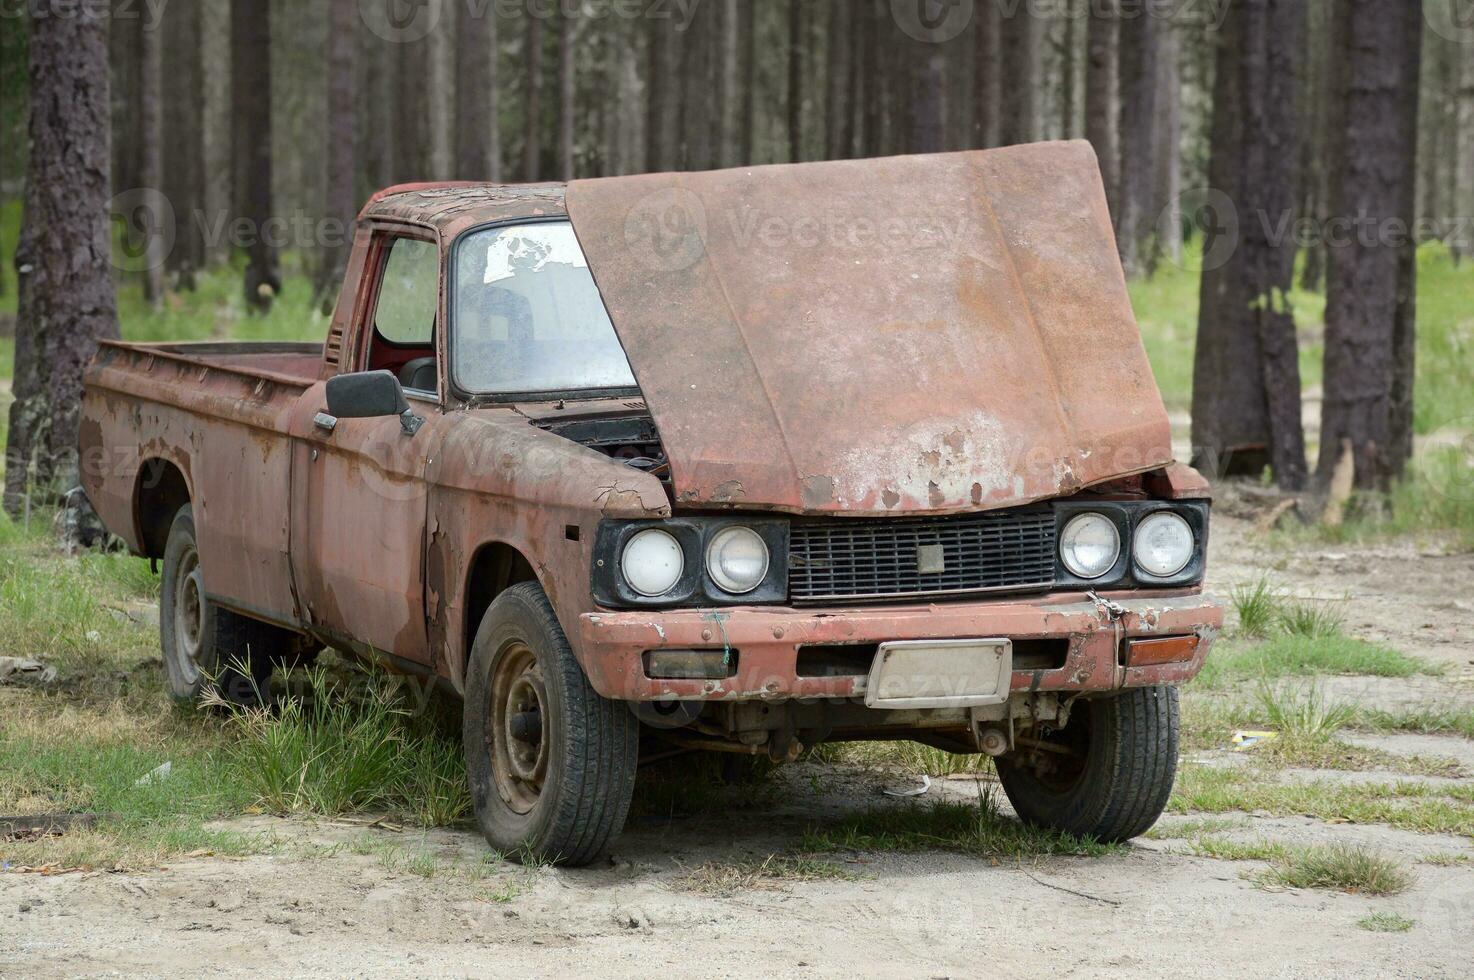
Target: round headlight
(1089, 545)
(737, 559)
(652, 562)
(1163, 544)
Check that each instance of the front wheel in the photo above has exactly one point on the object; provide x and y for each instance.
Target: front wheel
(1107, 774)
(551, 763)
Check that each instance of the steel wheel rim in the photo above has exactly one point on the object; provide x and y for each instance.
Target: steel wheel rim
(517, 728)
(189, 616)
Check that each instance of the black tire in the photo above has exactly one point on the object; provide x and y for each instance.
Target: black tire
(563, 794)
(204, 644)
(1116, 783)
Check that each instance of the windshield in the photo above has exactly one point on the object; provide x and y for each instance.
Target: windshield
(528, 316)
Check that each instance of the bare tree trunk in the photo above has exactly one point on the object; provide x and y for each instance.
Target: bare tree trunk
(1315, 153)
(837, 78)
(797, 41)
(747, 80)
(182, 169)
(250, 26)
(1168, 154)
(340, 202)
(66, 302)
(1101, 114)
(1138, 84)
(567, 34)
(1372, 278)
(1464, 181)
(873, 122)
(660, 128)
(150, 136)
(985, 80)
(532, 86)
(1069, 73)
(477, 136)
(724, 119)
(928, 86)
(1018, 114)
(377, 138)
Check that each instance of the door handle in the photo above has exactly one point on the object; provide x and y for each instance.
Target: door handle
(325, 422)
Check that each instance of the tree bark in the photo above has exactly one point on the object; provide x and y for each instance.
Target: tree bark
(150, 162)
(928, 86)
(1168, 154)
(796, 44)
(478, 148)
(1138, 85)
(660, 126)
(1069, 73)
(341, 197)
(567, 36)
(1464, 182)
(723, 120)
(836, 105)
(66, 302)
(183, 172)
(747, 80)
(1371, 284)
(1101, 114)
(250, 26)
(532, 57)
(1018, 114)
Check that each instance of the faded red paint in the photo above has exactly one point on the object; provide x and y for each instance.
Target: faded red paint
(367, 539)
(801, 354)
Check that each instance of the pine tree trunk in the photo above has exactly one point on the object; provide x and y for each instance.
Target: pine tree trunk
(723, 120)
(340, 200)
(1101, 114)
(567, 35)
(1315, 116)
(928, 97)
(660, 126)
(532, 86)
(872, 117)
(747, 81)
(377, 139)
(1464, 180)
(1168, 154)
(183, 172)
(150, 159)
(250, 26)
(1018, 112)
(1138, 86)
(985, 81)
(836, 77)
(477, 136)
(66, 302)
(1372, 278)
(1069, 71)
(797, 42)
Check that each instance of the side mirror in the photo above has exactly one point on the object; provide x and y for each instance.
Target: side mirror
(370, 395)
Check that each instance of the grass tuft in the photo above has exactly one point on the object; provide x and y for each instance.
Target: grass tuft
(1313, 620)
(1257, 605)
(1302, 716)
(1338, 867)
(727, 878)
(1385, 922)
(335, 751)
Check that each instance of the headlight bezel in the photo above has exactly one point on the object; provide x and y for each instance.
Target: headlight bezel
(1127, 515)
(1064, 530)
(1139, 529)
(709, 549)
(695, 586)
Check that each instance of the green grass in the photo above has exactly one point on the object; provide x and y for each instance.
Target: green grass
(1313, 620)
(1384, 922)
(331, 751)
(1290, 655)
(912, 758)
(1338, 867)
(1405, 805)
(729, 877)
(1257, 606)
(978, 829)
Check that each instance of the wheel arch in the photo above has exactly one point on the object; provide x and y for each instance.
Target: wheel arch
(159, 490)
(494, 567)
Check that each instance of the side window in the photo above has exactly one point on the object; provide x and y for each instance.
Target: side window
(407, 293)
(402, 330)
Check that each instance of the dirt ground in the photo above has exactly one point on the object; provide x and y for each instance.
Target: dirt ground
(353, 899)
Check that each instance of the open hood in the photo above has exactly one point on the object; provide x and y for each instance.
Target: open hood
(922, 334)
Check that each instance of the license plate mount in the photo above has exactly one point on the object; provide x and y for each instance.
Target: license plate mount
(940, 674)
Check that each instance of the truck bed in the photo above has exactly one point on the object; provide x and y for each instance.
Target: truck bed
(272, 359)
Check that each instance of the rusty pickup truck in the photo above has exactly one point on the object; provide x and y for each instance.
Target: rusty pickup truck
(743, 461)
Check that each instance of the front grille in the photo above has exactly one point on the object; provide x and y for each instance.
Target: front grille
(883, 559)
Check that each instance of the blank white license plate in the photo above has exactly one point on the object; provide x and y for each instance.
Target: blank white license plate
(940, 674)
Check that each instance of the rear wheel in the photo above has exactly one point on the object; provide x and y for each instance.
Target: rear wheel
(551, 763)
(206, 646)
(1107, 774)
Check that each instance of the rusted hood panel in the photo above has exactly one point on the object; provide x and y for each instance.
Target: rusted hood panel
(911, 334)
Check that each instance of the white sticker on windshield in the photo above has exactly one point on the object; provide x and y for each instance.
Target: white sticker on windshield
(530, 249)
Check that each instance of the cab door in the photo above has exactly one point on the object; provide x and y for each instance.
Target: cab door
(359, 497)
